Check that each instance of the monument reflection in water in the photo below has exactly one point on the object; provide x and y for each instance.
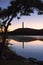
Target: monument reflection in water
(27, 46)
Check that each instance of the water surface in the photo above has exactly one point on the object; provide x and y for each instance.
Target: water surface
(29, 47)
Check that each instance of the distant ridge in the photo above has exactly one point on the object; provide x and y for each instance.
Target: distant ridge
(26, 31)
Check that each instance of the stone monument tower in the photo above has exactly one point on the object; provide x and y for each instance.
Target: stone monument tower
(22, 24)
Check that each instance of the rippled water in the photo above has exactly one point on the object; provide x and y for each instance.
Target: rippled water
(27, 46)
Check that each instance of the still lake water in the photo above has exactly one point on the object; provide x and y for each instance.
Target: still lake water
(27, 46)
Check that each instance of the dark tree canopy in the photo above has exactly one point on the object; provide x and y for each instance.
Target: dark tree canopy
(24, 7)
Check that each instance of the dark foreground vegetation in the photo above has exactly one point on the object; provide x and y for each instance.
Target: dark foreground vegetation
(11, 58)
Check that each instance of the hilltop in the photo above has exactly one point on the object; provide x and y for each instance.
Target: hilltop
(26, 31)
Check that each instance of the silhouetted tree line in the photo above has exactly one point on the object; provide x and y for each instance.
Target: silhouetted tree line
(17, 8)
(26, 31)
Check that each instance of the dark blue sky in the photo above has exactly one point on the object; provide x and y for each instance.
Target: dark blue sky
(4, 3)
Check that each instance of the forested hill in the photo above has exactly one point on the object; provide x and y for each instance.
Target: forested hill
(26, 31)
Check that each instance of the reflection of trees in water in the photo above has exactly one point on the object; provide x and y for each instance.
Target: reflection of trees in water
(23, 39)
(26, 39)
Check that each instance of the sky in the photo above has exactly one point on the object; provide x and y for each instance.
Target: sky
(34, 21)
